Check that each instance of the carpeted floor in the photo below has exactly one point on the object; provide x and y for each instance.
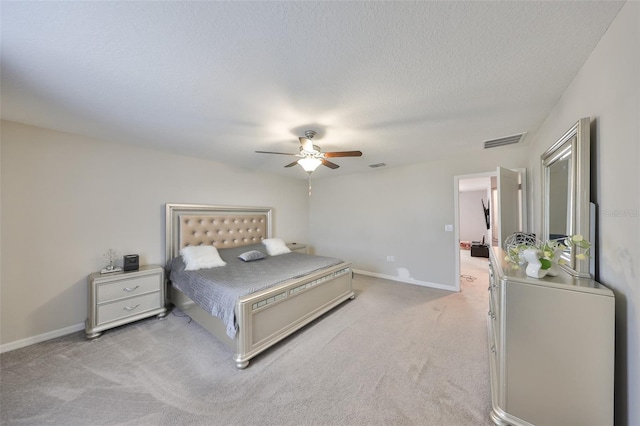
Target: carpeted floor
(397, 354)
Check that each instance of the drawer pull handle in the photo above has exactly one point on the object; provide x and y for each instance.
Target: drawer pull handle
(130, 308)
(130, 289)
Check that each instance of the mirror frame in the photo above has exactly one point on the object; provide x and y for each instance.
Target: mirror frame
(576, 141)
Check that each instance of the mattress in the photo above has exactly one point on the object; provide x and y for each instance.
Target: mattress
(216, 290)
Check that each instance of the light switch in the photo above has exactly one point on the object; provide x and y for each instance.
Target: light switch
(448, 228)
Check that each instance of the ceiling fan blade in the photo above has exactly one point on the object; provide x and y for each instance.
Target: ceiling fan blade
(292, 164)
(329, 164)
(343, 154)
(307, 144)
(271, 152)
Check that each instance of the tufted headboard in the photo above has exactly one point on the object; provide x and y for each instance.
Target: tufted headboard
(222, 227)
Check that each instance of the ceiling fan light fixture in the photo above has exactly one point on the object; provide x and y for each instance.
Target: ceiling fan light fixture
(309, 164)
(311, 157)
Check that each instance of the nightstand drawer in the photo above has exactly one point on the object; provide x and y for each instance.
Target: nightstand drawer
(128, 307)
(128, 287)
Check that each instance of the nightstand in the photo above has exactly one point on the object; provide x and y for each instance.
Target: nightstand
(297, 247)
(123, 297)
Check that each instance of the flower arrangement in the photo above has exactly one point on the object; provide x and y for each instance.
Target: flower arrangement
(548, 251)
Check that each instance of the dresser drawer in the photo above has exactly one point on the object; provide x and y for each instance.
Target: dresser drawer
(128, 287)
(114, 311)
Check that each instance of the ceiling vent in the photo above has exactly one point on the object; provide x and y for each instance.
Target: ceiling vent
(375, 166)
(508, 140)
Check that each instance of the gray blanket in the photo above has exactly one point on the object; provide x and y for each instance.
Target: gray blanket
(216, 290)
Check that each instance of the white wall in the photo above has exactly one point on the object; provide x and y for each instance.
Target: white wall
(607, 89)
(67, 199)
(399, 211)
(472, 221)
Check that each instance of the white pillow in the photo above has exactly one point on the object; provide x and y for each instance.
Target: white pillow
(275, 246)
(201, 257)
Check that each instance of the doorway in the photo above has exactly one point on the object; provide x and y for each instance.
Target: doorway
(474, 214)
(495, 209)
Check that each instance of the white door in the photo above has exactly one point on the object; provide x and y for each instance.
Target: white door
(509, 207)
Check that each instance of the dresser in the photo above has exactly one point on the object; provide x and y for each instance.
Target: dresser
(122, 297)
(551, 348)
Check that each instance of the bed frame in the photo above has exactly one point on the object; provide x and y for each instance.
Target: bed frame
(265, 317)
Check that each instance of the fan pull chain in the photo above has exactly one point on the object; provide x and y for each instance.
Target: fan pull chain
(309, 184)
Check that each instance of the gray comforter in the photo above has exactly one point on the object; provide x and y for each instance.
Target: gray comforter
(216, 290)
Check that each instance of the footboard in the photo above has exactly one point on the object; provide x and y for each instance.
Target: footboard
(266, 317)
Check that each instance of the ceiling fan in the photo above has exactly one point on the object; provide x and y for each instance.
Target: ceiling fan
(310, 155)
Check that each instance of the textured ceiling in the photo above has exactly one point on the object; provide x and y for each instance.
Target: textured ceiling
(404, 82)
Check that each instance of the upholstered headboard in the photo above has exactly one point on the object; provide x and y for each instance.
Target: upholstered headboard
(220, 226)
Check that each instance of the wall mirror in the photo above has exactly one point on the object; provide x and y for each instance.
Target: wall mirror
(565, 196)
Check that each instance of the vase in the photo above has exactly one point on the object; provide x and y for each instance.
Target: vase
(534, 267)
(553, 270)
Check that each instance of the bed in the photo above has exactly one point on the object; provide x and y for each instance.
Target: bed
(272, 312)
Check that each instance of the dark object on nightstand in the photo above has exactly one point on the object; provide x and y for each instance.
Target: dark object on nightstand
(130, 262)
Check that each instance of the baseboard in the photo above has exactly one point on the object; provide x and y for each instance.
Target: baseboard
(405, 280)
(40, 338)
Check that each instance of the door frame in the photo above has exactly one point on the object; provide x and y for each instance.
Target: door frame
(456, 209)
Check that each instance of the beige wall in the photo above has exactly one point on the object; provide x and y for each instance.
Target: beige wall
(67, 199)
(399, 211)
(607, 89)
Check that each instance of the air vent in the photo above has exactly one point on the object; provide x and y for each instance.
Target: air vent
(375, 166)
(508, 140)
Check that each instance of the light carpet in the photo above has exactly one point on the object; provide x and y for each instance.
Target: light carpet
(398, 354)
